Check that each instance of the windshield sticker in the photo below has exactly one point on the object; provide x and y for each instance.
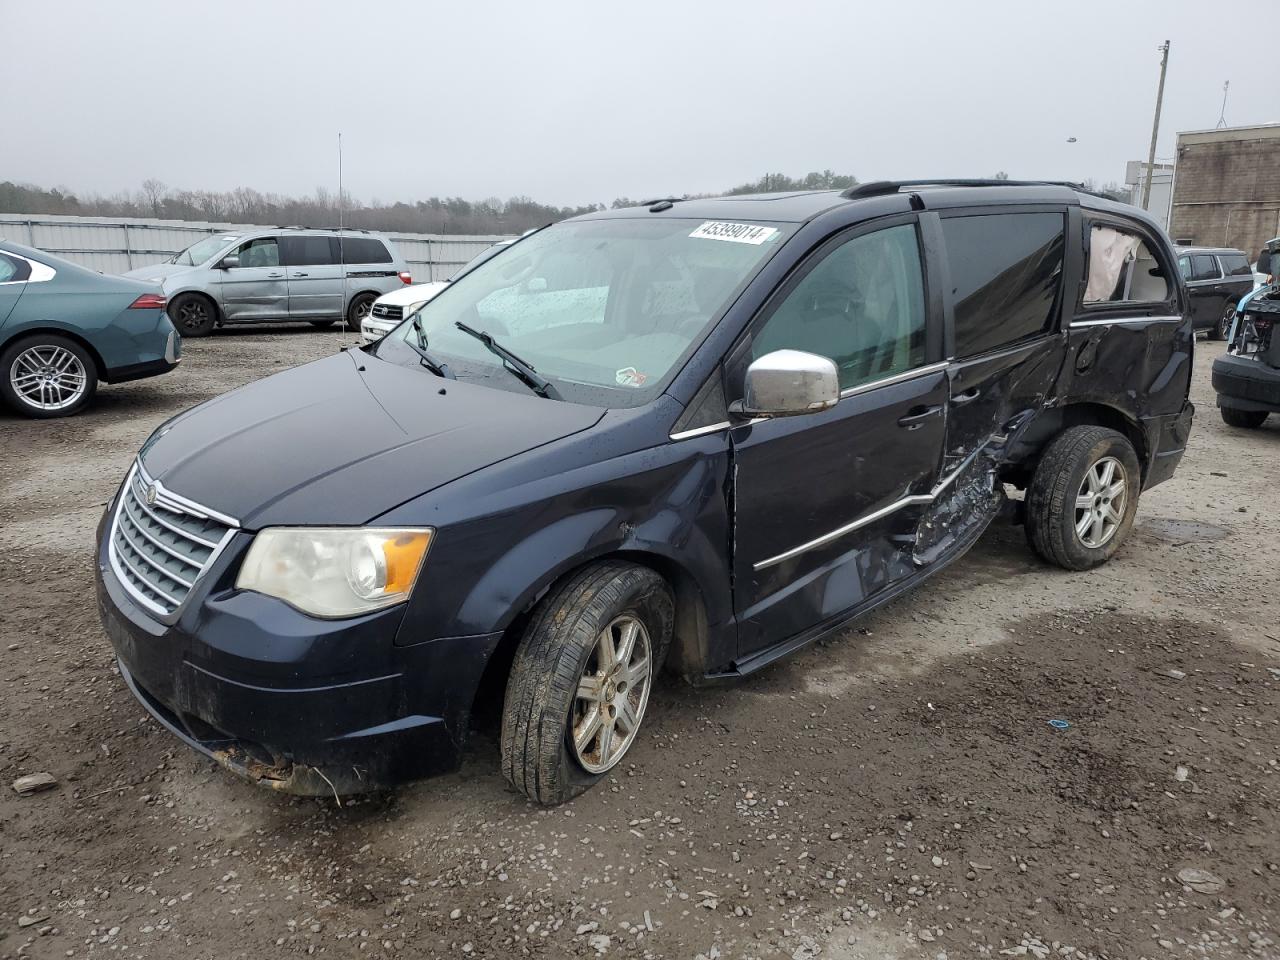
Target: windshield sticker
(735, 232)
(630, 377)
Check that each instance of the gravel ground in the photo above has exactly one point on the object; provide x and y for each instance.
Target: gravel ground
(895, 792)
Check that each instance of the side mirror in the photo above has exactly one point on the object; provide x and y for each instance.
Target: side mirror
(226, 263)
(786, 383)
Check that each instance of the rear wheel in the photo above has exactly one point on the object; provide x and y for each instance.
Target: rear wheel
(192, 314)
(581, 679)
(1244, 419)
(1223, 326)
(47, 375)
(359, 308)
(1083, 497)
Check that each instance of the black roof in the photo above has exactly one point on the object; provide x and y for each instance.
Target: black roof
(801, 206)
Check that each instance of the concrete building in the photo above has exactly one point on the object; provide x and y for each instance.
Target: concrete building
(1135, 178)
(1226, 189)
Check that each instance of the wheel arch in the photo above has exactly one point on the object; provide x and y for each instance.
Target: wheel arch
(70, 334)
(1053, 421)
(687, 655)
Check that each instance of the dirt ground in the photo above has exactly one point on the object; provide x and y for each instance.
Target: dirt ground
(897, 792)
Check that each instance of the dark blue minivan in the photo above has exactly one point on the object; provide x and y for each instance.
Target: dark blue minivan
(698, 434)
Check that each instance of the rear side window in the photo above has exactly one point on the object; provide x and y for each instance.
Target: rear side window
(1005, 273)
(308, 251)
(1236, 265)
(1122, 269)
(1204, 267)
(13, 270)
(363, 250)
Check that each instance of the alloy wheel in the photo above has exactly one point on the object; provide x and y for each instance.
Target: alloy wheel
(193, 315)
(1100, 502)
(48, 377)
(612, 694)
(1224, 325)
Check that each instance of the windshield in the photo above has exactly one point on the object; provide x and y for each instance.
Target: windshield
(604, 309)
(198, 253)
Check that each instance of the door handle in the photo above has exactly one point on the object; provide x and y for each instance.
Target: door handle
(960, 399)
(299, 274)
(916, 416)
(274, 276)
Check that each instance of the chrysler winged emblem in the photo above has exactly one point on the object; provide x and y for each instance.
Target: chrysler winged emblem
(151, 495)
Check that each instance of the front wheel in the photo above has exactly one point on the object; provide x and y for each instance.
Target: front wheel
(581, 679)
(1083, 497)
(46, 375)
(1244, 419)
(192, 314)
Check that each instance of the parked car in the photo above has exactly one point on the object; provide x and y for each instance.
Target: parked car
(1216, 278)
(320, 276)
(391, 308)
(1247, 377)
(700, 434)
(63, 328)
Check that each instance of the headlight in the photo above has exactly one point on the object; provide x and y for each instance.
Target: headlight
(335, 572)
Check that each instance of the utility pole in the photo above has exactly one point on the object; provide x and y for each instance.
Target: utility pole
(1155, 126)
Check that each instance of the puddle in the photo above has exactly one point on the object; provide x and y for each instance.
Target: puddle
(1182, 531)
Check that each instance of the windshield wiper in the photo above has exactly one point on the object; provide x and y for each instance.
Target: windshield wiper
(536, 381)
(420, 348)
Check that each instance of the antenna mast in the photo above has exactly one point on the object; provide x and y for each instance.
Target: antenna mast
(1222, 114)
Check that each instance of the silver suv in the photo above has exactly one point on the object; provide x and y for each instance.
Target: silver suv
(320, 276)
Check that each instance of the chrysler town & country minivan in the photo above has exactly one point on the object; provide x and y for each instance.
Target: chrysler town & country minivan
(694, 434)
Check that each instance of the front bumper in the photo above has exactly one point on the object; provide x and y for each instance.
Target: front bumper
(299, 705)
(1246, 383)
(374, 329)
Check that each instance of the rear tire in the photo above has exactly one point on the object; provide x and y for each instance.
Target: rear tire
(1096, 464)
(572, 712)
(194, 315)
(358, 309)
(1244, 419)
(1220, 329)
(46, 375)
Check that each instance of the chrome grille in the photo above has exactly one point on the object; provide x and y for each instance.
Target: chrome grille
(161, 543)
(385, 311)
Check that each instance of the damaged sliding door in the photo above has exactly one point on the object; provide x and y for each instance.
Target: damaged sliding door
(1003, 300)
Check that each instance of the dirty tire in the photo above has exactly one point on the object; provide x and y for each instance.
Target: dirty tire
(556, 647)
(1244, 419)
(194, 315)
(1051, 497)
(358, 309)
(43, 342)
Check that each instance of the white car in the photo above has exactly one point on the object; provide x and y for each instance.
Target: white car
(390, 308)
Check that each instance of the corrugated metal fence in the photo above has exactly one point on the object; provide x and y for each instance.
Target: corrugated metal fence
(115, 245)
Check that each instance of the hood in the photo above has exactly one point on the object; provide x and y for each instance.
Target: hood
(342, 440)
(157, 271)
(414, 293)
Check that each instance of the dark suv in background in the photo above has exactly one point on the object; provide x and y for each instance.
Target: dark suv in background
(1216, 278)
(696, 433)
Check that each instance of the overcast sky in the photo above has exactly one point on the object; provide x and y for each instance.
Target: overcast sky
(580, 102)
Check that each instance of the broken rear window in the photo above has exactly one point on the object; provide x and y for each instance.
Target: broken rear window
(1122, 269)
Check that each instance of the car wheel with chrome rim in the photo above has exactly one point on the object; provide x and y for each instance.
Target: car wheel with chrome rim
(47, 375)
(582, 677)
(1223, 326)
(1083, 496)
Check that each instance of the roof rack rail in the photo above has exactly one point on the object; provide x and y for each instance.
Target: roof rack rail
(333, 229)
(878, 187)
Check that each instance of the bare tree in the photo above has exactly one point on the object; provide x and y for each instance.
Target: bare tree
(155, 191)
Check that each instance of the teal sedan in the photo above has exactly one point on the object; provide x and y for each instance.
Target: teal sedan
(63, 328)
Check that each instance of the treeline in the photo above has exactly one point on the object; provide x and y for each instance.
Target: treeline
(435, 215)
